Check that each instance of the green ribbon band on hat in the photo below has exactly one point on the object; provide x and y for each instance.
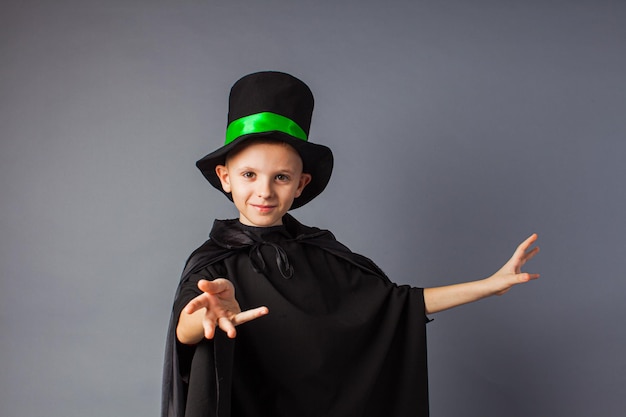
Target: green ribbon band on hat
(263, 122)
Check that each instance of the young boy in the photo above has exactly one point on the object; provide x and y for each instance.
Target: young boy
(338, 337)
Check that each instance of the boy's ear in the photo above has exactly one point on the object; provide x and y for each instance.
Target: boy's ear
(305, 178)
(222, 174)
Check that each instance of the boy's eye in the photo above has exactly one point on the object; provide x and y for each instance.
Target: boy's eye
(282, 177)
(248, 174)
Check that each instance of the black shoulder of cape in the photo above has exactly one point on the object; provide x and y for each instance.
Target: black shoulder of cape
(226, 239)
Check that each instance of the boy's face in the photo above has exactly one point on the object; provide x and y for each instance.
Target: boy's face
(264, 179)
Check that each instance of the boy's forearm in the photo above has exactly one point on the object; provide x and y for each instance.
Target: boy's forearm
(437, 299)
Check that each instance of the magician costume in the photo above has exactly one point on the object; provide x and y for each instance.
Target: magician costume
(340, 339)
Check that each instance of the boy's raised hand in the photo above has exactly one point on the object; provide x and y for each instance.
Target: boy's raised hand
(222, 309)
(442, 298)
(511, 273)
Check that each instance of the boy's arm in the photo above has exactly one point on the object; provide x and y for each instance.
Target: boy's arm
(442, 298)
(216, 307)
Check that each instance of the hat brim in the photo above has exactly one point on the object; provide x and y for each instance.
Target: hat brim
(317, 160)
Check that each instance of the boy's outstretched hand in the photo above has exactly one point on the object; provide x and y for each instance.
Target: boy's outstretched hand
(511, 273)
(442, 298)
(216, 307)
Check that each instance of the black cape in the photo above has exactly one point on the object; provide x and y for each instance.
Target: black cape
(340, 340)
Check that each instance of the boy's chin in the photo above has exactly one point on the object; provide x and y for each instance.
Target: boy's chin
(262, 221)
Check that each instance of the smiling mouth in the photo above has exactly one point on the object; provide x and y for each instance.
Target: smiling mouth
(263, 208)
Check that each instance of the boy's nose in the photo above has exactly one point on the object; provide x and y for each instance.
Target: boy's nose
(264, 189)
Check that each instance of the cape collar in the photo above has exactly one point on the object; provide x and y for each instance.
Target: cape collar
(232, 235)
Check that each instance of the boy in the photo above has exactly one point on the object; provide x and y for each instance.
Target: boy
(338, 338)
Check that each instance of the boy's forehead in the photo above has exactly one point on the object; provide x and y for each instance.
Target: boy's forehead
(254, 148)
(278, 153)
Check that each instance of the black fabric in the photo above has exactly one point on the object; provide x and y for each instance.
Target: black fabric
(340, 338)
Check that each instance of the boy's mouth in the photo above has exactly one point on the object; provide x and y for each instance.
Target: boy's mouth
(263, 207)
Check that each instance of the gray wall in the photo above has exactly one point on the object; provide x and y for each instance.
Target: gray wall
(459, 128)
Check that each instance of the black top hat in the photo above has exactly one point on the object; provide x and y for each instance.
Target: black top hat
(278, 106)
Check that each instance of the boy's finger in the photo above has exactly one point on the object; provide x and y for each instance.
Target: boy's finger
(532, 253)
(248, 315)
(213, 287)
(196, 304)
(209, 328)
(529, 240)
(523, 247)
(227, 326)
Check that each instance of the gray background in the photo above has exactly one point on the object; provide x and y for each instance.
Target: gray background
(458, 128)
